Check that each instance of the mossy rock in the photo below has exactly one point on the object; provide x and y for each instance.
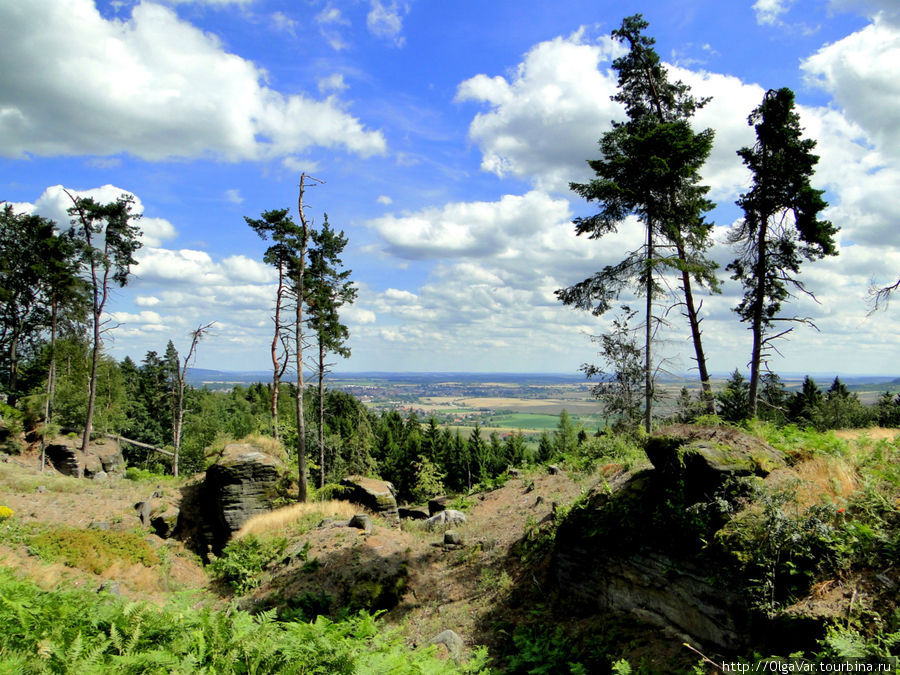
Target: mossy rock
(706, 456)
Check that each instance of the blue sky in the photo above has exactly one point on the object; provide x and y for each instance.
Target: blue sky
(446, 134)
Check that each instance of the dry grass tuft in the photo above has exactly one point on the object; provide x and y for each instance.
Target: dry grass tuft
(823, 479)
(214, 451)
(872, 433)
(281, 520)
(267, 444)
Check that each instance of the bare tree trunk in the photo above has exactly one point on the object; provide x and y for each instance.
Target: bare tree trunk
(696, 334)
(51, 377)
(13, 396)
(648, 333)
(301, 424)
(298, 352)
(758, 304)
(277, 365)
(51, 370)
(321, 411)
(196, 336)
(92, 381)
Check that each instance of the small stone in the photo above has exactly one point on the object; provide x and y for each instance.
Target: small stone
(41, 489)
(111, 587)
(361, 521)
(452, 538)
(451, 640)
(93, 525)
(552, 469)
(514, 473)
(101, 476)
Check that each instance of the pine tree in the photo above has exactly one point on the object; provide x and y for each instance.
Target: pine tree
(327, 290)
(650, 168)
(734, 399)
(781, 225)
(109, 240)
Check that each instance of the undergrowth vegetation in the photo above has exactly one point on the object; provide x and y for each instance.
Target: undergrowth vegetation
(86, 549)
(76, 631)
(822, 532)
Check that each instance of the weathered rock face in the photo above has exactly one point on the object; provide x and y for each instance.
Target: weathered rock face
(111, 458)
(635, 545)
(64, 459)
(242, 484)
(376, 495)
(100, 458)
(408, 513)
(437, 505)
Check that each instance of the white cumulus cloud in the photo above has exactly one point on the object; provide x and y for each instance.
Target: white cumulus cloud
(151, 85)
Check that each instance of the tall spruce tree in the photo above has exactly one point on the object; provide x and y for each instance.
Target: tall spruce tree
(328, 289)
(781, 225)
(649, 168)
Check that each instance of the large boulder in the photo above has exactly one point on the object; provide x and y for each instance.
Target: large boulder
(643, 542)
(437, 504)
(110, 457)
(65, 459)
(243, 483)
(376, 495)
(445, 518)
(103, 456)
(704, 457)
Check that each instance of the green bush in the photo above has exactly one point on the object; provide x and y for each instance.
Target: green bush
(242, 562)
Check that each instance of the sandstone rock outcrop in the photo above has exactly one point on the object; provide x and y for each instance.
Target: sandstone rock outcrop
(376, 495)
(634, 545)
(243, 483)
(101, 457)
(437, 504)
(410, 513)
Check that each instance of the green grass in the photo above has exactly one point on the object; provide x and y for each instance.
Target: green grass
(91, 550)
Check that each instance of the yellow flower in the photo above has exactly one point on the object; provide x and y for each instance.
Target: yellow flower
(5, 512)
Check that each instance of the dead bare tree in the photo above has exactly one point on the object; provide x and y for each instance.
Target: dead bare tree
(297, 274)
(880, 296)
(178, 426)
